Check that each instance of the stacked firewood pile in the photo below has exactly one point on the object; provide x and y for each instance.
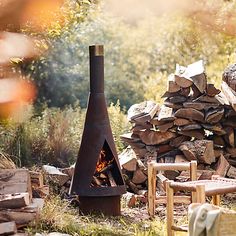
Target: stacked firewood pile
(195, 122)
(21, 201)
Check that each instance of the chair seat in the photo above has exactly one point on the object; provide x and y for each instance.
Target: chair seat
(212, 187)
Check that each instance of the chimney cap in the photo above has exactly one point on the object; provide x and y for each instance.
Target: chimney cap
(96, 50)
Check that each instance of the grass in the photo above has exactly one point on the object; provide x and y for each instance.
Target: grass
(6, 161)
(58, 216)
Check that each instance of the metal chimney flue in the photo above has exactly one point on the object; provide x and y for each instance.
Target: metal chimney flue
(97, 178)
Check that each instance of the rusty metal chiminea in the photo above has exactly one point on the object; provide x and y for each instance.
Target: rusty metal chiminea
(97, 178)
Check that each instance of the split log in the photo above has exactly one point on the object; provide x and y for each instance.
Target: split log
(13, 201)
(155, 121)
(206, 98)
(214, 115)
(178, 140)
(229, 137)
(200, 82)
(8, 228)
(138, 127)
(128, 159)
(163, 148)
(172, 87)
(230, 94)
(140, 152)
(188, 150)
(151, 137)
(166, 126)
(201, 150)
(200, 105)
(169, 157)
(181, 77)
(196, 72)
(23, 216)
(171, 174)
(142, 112)
(139, 177)
(182, 122)
(55, 175)
(166, 114)
(69, 170)
(215, 128)
(229, 75)
(195, 93)
(231, 173)
(190, 113)
(131, 186)
(190, 127)
(212, 90)
(129, 138)
(15, 181)
(177, 99)
(172, 105)
(205, 151)
(222, 166)
(205, 174)
(36, 179)
(129, 199)
(198, 134)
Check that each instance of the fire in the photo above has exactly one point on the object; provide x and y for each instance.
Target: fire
(102, 161)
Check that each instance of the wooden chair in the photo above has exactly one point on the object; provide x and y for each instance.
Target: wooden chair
(202, 188)
(153, 169)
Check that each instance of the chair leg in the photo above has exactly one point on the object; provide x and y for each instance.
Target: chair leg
(200, 193)
(151, 189)
(216, 200)
(170, 209)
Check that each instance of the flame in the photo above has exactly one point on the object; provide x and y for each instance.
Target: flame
(102, 161)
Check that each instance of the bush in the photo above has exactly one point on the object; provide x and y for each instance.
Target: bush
(54, 137)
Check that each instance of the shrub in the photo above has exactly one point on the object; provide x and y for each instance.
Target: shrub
(54, 137)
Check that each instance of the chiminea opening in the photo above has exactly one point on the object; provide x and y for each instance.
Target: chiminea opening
(107, 172)
(97, 178)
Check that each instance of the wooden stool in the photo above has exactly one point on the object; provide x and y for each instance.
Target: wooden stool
(153, 169)
(202, 188)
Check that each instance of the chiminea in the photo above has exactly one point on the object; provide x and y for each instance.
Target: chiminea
(97, 178)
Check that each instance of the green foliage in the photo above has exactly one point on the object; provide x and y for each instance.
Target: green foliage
(119, 124)
(137, 57)
(54, 137)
